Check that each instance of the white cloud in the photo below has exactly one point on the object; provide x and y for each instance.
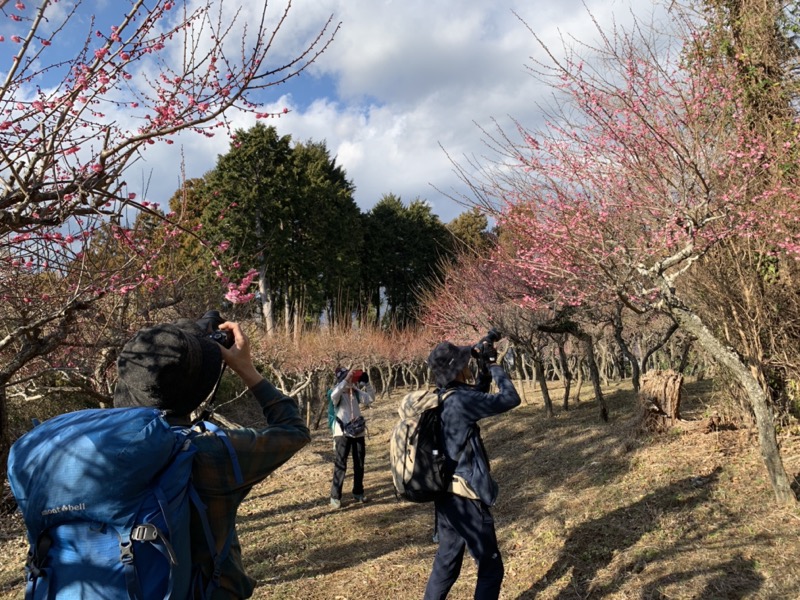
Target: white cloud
(411, 76)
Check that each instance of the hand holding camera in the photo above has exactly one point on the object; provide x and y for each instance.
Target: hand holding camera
(357, 378)
(235, 344)
(210, 323)
(484, 351)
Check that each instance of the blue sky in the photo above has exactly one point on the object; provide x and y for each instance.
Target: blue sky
(404, 84)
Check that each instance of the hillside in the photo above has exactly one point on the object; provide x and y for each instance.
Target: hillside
(586, 510)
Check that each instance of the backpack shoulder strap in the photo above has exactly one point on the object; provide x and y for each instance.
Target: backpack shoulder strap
(220, 433)
(194, 497)
(217, 557)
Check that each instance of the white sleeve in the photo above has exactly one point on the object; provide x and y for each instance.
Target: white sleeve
(336, 394)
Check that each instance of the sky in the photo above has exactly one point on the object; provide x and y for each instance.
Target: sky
(403, 91)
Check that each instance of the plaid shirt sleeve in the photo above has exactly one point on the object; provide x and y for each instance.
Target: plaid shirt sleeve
(259, 452)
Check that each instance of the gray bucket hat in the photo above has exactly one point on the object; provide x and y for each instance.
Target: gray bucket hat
(447, 360)
(172, 366)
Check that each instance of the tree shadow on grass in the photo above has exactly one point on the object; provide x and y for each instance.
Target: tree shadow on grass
(592, 545)
(732, 580)
(359, 541)
(531, 455)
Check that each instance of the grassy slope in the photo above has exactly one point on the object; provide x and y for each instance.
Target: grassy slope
(586, 510)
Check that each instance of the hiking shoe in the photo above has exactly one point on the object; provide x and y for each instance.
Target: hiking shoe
(336, 503)
(360, 498)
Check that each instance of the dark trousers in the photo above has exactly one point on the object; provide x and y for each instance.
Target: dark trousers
(465, 524)
(344, 446)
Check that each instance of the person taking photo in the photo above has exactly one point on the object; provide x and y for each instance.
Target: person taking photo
(174, 367)
(463, 517)
(349, 427)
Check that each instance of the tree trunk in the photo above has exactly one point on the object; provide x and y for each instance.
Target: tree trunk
(556, 367)
(574, 329)
(387, 378)
(562, 358)
(594, 374)
(667, 334)
(523, 366)
(298, 326)
(579, 383)
(522, 375)
(623, 346)
(759, 402)
(267, 305)
(288, 309)
(539, 370)
(602, 366)
(687, 346)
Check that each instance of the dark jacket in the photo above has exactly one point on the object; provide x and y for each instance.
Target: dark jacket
(463, 407)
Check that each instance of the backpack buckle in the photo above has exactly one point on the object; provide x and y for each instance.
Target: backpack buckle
(126, 552)
(33, 565)
(144, 533)
(37, 555)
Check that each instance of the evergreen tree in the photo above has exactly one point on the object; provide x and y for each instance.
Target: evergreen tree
(403, 247)
(469, 231)
(284, 210)
(327, 236)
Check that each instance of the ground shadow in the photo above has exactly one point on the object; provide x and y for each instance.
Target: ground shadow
(591, 546)
(732, 580)
(526, 457)
(370, 538)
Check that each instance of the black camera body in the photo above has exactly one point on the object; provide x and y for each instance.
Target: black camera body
(485, 347)
(484, 351)
(210, 323)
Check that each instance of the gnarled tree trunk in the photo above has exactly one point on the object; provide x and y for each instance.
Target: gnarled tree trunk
(768, 442)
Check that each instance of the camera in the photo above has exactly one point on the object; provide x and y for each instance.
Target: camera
(210, 323)
(359, 377)
(484, 349)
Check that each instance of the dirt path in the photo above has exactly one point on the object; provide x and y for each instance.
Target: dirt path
(586, 510)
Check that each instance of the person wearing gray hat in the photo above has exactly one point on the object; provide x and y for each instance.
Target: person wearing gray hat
(463, 519)
(175, 367)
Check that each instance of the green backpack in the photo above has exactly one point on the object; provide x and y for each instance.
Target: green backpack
(331, 410)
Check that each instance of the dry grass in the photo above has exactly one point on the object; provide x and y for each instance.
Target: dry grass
(586, 510)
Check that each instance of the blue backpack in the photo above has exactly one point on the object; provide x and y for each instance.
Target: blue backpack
(105, 495)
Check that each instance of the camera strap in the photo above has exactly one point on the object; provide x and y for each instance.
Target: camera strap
(208, 403)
